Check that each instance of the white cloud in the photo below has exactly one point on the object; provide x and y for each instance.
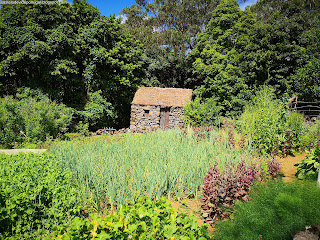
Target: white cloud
(243, 5)
(122, 17)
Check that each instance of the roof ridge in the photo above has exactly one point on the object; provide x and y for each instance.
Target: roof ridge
(156, 96)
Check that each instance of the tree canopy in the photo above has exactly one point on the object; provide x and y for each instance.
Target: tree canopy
(273, 43)
(94, 63)
(71, 53)
(168, 30)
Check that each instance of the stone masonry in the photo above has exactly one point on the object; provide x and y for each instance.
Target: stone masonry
(147, 117)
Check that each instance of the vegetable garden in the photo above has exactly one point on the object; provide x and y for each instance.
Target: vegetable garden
(117, 187)
(124, 186)
(66, 71)
(149, 165)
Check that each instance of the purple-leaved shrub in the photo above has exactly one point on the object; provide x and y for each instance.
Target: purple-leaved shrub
(222, 187)
(274, 167)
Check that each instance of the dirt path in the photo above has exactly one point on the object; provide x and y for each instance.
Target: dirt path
(188, 206)
(17, 151)
(288, 168)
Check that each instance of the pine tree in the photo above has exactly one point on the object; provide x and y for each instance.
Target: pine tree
(215, 58)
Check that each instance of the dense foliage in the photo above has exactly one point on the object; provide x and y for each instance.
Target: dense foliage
(36, 195)
(276, 210)
(274, 43)
(168, 30)
(309, 168)
(198, 113)
(31, 118)
(73, 54)
(215, 62)
(94, 63)
(273, 129)
(151, 220)
(263, 120)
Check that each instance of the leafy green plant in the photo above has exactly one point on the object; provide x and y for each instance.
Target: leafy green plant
(310, 136)
(151, 220)
(11, 122)
(263, 120)
(97, 111)
(31, 118)
(295, 122)
(308, 168)
(276, 210)
(35, 195)
(205, 113)
(82, 128)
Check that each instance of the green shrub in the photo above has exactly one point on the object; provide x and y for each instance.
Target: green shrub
(35, 195)
(31, 118)
(198, 113)
(152, 220)
(11, 122)
(295, 124)
(82, 128)
(311, 135)
(308, 168)
(276, 210)
(97, 112)
(263, 120)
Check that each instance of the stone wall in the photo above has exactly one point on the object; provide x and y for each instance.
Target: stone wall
(175, 116)
(147, 118)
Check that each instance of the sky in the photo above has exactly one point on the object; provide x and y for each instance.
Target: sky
(110, 7)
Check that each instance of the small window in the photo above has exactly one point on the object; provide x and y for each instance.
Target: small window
(146, 113)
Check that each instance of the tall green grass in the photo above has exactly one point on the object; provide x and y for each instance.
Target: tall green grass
(149, 165)
(276, 210)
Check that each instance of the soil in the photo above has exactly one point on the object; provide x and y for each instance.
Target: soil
(288, 169)
(311, 233)
(189, 206)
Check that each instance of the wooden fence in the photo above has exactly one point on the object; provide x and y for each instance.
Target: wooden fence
(309, 109)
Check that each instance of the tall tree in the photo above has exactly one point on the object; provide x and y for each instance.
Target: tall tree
(287, 38)
(74, 55)
(240, 51)
(168, 30)
(110, 60)
(216, 57)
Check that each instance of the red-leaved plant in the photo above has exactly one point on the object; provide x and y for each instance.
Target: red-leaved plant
(274, 167)
(202, 132)
(222, 187)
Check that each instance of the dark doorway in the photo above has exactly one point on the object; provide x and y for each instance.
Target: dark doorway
(164, 117)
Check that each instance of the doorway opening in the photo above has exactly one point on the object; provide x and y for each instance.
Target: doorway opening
(164, 117)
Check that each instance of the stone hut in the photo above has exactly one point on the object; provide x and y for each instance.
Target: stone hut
(154, 108)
